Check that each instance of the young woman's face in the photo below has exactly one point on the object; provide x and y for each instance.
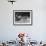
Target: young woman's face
(19, 16)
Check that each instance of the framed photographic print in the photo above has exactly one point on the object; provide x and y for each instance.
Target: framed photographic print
(22, 17)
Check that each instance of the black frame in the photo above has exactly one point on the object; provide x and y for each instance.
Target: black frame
(23, 10)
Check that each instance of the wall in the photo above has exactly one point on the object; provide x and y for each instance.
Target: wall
(38, 30)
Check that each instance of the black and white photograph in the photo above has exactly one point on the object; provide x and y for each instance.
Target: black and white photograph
(22, 17)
